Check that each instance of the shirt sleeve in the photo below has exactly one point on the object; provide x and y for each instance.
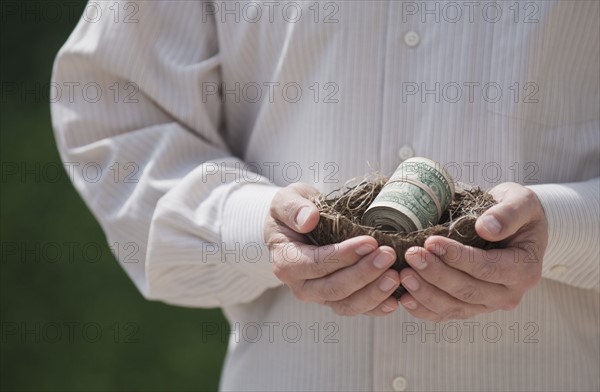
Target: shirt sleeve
(573, 213)
(147, 154)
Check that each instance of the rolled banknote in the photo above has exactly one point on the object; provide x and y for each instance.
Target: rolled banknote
(414, 198)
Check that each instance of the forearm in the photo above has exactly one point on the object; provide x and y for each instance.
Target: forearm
(178, 209)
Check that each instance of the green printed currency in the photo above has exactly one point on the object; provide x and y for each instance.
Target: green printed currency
(414, 197)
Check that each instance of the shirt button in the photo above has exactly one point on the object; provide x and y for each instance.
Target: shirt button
(406, 152)
(559, 269)
(412, 39)
(399, 384)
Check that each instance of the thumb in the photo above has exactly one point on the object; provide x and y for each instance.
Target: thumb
(515, 209)
(292, 207)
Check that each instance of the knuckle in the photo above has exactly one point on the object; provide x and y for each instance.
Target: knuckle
(345, 308)
(510, 211)
(278, 201)
(288, 210)
(487, 270)
(468, 293)
(318, 268)
(274, 205)
(436, 318)
(303, 189)
(455, 313)
(530, 196)
(277, 197)
(531, 280)
(281, 270)
(512, 278)
(333, 292)
(510, 303)
(300, 294)
(427, 299)
(297, 186)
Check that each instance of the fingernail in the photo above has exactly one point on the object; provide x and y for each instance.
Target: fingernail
(410, 283)
(386, 308)
(365, 249)
(420, 263)
(383, 260)
(410, 305)
(302, 215)
(491, 224)
(387, 284)
(411, 251)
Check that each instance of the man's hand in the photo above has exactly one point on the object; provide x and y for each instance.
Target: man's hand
(352, 277)
(449, 280)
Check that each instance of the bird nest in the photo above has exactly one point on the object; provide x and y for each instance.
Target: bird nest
(341, 212)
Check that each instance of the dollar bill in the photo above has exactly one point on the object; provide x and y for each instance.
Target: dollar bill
(414, 197)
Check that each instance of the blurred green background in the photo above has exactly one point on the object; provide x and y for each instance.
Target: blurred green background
(73, 321)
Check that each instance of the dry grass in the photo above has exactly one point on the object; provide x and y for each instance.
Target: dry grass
(342, 210)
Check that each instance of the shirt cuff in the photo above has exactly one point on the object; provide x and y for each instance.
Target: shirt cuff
(572, 211)
(242, 232)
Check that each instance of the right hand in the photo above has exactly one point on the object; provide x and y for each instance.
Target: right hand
(352, 277)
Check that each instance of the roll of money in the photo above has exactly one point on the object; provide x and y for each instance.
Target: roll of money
(414, 198)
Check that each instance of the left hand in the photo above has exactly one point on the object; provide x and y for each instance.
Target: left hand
(449, 280)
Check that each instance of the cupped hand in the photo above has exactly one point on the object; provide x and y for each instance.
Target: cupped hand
(449, 280)
(352, 277)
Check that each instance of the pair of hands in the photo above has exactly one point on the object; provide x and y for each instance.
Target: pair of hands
(447, 280)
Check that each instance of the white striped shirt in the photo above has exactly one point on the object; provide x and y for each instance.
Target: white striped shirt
(208, 108)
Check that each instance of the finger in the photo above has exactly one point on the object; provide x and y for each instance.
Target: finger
(291, 206)
(347, 281)
(369, 297)
(421, 312)
(294, 261)
(388, 306)
(436, 300)
(517, 206)
(499, 266)
(456, 283)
